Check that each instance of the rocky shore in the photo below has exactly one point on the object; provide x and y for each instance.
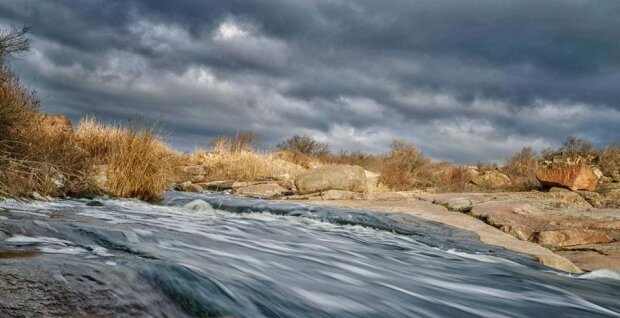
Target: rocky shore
(566, 226)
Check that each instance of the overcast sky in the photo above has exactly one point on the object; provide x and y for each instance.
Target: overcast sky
(465, 80)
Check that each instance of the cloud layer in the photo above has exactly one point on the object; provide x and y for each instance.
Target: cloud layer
(466, 81)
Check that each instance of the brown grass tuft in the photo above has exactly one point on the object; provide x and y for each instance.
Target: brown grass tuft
(140, 164)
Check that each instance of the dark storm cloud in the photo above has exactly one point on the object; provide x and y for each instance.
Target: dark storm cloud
(466, 80)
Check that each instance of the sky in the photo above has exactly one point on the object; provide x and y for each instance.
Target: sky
(464, 80)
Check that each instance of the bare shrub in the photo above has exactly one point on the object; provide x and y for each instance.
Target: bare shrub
(405, 167)
(521, 169)
(610, 160)
(305, 145)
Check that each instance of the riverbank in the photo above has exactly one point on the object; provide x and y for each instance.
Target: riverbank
(560, 230)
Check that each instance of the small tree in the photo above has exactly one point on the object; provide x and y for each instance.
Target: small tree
(14, 41)
(305, 145)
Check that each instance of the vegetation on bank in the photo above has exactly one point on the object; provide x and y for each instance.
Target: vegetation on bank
(37, 155)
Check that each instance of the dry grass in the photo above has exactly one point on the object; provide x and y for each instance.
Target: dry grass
(609, 161)
(450, 178)
(242, 141)
(521, 169)
(246, 165)
(139, 163)
(31, 157)
(405, 167)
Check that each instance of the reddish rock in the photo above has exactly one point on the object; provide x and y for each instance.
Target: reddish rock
(572, 237)
(576, 177)
(55, 124)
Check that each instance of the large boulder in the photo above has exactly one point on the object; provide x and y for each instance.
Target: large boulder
(492, 179)
(332, 177)
(575, 177)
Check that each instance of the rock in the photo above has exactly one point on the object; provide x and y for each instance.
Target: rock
(198, 178)
(571, 237)
(52, 173)
(458, 204)
(332, 177)
(371, 177)
(593, 198)
(94, 203)
(556, 189)
(99, 178)
(558, 262)
(218, 185)
(263, 191)
(195, 170)
(575, 177)
(199, 206)
(491, 179)
(504, 216)
(386, 196)
(340, 195)
(35, 195)
(309, 196)
(188, 187)
(597, 172)
(56, 124)
(283, 170)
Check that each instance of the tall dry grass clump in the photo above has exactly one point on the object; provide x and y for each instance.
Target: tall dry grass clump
(32, 158)
(237, 158)
(138, 163)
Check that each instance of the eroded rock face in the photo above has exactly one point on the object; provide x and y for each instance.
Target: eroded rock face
(491, 179)
(572, 237)
(575, 177)
(332, 177)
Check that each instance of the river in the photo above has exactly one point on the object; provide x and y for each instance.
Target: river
(253, 258)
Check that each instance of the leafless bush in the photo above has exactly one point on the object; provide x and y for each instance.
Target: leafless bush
(305, 145)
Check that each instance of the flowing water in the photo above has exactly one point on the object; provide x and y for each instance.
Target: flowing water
(252, 258)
